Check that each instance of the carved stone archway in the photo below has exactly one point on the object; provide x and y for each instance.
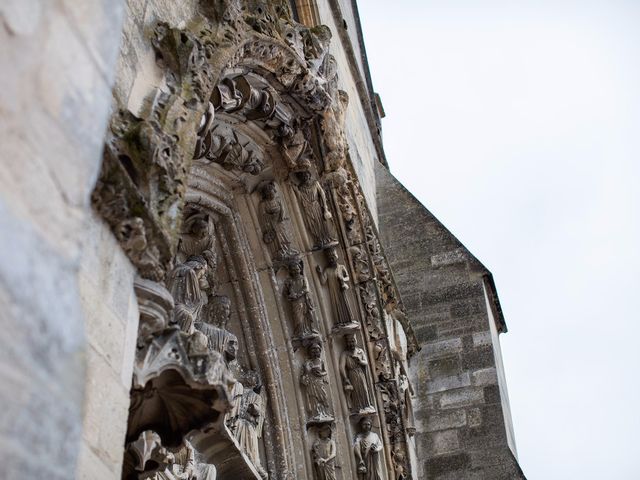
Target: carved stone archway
(243, 157)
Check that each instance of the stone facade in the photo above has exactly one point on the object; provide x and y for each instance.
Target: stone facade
(193, 283)
(463, 420)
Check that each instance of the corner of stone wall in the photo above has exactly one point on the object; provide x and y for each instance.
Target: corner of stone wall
(55, 91)
(463, 423)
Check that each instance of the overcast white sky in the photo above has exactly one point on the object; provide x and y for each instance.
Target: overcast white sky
(517, 123)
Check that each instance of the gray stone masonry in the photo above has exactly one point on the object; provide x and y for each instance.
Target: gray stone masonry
(461, 406)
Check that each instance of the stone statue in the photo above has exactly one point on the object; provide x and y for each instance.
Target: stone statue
(353, 369)
(132, 235)
(248, 426)
(360, 264)
(399, 461)
(296, 290)
(164, 464)
(188, 284)
(197, 238)
(274, 232)
(293, 143)
(219, 310)
(367, 447)
(323, 453)
(181, 462)
(335, 275)
(315, 210)
(315, 378)
(226, 96)
(220, 340)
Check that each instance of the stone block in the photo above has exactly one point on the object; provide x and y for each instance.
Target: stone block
(474, 416)
(106, 411)
(444, 421)
(482, 339)
(459, 328)
(462, 397)
(492, 394)
(442, 348)
(131, 336)
(448, 383)
(453, 293)
(467, 308)
(444, 367)
(462, 475)
(426, 333)
(96, 21)
(448, 258)
(445, 441)
(478, 358)
(485, 376)
(482, 437)
(442, 464)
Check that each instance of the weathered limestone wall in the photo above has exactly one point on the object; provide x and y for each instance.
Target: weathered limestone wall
(137, 72)
(57, 61)
(106, 276)
(462, 419)
(110, 311)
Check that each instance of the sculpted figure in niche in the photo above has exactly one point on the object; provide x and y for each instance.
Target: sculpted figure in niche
(323, 453)
(274, 232)
(399, 465)
(367, 448)
(227, 96)
(315, 210)
(188, 284)
(293, 144)
(219, 310)
(197, 238)
(353, 369)
(167, 464)
(296, 290)
(220, 340)
(335, 275)
(315, 378)
(248, 426)
(360, 264)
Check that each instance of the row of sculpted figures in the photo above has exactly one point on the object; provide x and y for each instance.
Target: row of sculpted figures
(353, 364)
(332, 227)
(188, 384)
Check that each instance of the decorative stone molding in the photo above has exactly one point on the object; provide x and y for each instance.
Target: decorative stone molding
(237, 166)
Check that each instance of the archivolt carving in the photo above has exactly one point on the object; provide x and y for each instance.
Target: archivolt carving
(296, 291)
(251, 101)
(323, 453)
(148, 459)
(226, 147)
(272, 219)
(315, 379)
(353, 369)
(316, 211)
(367, 448)
(336, 277)
(247, 425)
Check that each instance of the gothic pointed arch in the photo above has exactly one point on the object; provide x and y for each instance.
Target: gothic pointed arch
(264, 283)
